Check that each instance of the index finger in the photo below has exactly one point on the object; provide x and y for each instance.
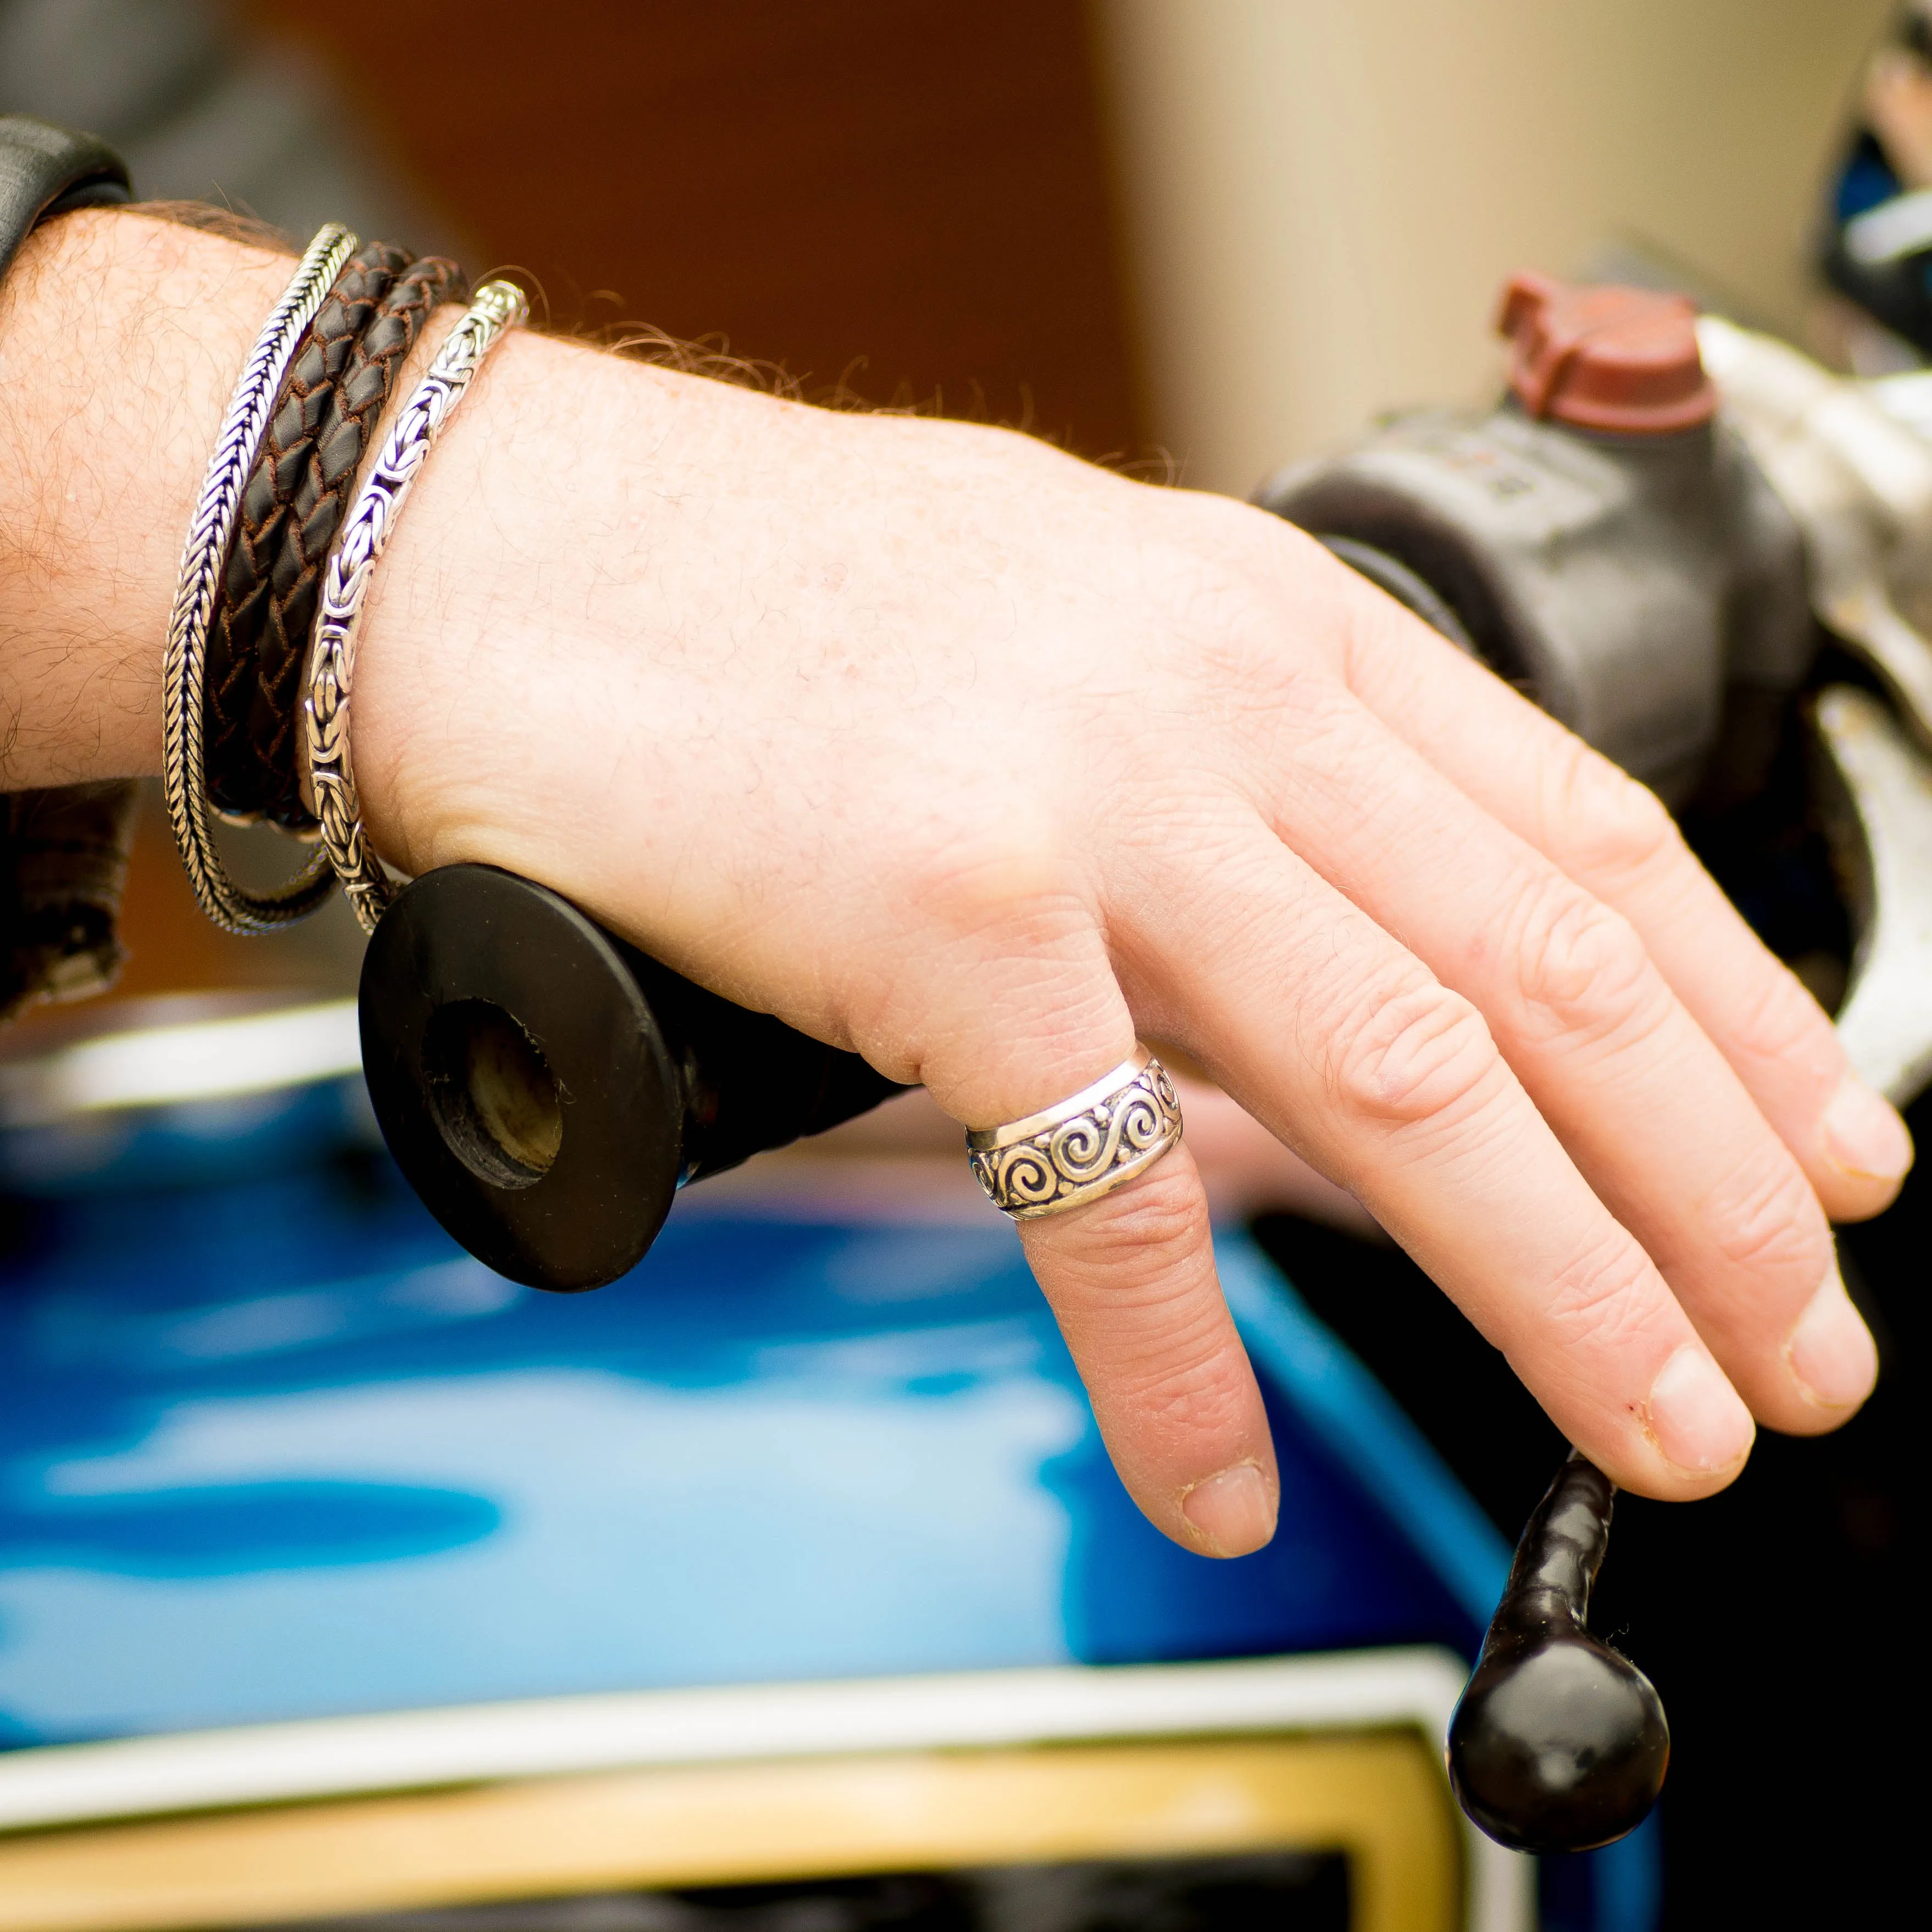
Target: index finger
(1615, 839)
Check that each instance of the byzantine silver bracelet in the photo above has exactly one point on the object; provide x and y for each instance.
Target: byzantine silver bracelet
(498, 306)
(203, 558)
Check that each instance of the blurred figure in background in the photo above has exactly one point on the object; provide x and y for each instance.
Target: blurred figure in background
(1877, 249)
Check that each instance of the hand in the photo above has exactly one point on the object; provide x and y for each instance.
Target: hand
(949, 748)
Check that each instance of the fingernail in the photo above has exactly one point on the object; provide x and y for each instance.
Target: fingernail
(1863, 1136)
(1831, 1350)
(1231, 1513)
(1696, 1416)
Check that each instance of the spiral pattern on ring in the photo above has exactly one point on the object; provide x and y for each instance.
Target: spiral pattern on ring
(1082, 1156)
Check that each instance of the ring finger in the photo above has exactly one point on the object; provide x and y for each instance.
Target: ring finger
(1021, 1011)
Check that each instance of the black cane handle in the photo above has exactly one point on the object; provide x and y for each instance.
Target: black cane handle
(1560, 1743)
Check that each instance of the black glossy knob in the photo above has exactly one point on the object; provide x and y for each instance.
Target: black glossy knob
(1558, 1744)
(546, 1089)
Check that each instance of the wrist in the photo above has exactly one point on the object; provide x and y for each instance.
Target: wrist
(546, 562)
(121, 338)
(574, 501)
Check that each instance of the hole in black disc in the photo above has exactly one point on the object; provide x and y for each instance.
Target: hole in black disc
(495, 1098)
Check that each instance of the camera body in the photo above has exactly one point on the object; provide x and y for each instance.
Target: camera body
(1647, 590)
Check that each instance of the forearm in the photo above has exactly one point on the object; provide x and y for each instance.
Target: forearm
(120, 339)
(589, 530)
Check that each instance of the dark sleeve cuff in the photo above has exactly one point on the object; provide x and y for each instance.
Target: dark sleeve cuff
(63, 865)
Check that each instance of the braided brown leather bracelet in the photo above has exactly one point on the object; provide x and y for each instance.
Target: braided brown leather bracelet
(291, 509)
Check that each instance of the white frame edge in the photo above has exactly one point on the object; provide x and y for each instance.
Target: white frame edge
(335, 1757)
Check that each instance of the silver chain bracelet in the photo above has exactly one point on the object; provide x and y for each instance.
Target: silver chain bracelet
(498, 307)
(203, 558)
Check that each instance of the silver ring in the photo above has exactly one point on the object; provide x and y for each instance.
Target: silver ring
(330, 675)
(1086, 1147)
(185, 665)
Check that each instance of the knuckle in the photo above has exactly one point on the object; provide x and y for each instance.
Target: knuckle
(1584, 966)
(1197, 1383)
(1250, 540)
(1607, 824)
(1421, 1053)
(1134, 1239)
(1204, 1396)
(1058, 1026)
(985, 878)
(1606, 1296)
(1775, 1019)
(1768, 1224)
(991, 978)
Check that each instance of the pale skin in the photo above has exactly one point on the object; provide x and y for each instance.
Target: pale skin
(949, 748)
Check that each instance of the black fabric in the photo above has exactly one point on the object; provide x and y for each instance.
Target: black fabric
(63, 864)
(46, 170)
(63, 852)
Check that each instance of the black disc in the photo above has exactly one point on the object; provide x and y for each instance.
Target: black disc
(520, 1077)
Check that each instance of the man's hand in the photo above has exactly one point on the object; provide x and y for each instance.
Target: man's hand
(946, 748)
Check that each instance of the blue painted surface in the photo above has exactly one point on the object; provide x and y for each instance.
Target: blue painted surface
(272, 1447)
(1355, 1416)
(277, 1449)
(199, 1144)
(1628, 1880)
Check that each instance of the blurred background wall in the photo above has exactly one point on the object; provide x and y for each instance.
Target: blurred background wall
(910, 197)
(1320, 200)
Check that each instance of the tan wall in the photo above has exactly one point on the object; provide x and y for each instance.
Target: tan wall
(1322, 196)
